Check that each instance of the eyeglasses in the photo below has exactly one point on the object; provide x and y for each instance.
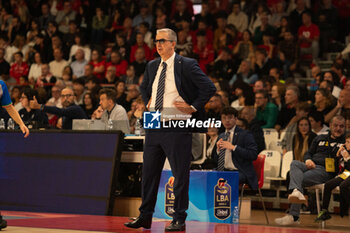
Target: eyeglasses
(66, 96)
(161, 41)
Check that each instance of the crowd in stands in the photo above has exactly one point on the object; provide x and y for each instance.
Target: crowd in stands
(257, 53)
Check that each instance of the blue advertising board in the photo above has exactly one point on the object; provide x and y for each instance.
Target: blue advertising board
(213, 196)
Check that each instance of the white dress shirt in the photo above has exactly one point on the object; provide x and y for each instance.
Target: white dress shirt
(171, 93)
(228, 153)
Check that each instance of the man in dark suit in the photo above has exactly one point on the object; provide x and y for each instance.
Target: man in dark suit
(236, 149)
(171, 84)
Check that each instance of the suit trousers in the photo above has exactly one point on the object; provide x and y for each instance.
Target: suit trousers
(176, 146)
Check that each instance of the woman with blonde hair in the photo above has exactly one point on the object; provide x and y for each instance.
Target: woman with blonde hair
(278, 91)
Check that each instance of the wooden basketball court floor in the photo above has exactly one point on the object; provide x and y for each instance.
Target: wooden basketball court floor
(29, 222)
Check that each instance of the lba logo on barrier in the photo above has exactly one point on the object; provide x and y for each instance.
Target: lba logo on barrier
(151, 120)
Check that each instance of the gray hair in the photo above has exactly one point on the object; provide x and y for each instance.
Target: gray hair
(295, 89)
(171, 34)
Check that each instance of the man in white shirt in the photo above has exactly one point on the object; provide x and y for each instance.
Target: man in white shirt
(238, 18)
(57, 65)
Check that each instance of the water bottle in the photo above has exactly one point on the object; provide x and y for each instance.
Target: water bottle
(235, 215)
(2, 123)
(138, 127)
(10, 124)
(110, 124)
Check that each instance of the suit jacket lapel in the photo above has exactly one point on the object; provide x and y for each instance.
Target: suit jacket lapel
(177, 72)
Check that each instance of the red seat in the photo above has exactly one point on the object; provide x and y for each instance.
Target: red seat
(259, 170)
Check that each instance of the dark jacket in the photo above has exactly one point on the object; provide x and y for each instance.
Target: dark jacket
(245, 153)
(192, 84)
(68, 114)
(322, 147)
(258, 134)
(35, 117)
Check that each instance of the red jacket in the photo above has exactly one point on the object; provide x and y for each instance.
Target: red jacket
(120, 67)
(16, 70)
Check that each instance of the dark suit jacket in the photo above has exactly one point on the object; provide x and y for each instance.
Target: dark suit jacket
(191, 83)
(244, 155)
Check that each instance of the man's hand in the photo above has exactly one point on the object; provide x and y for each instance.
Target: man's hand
(33, 104)
(24, 130)
(221, 144)
(184, 107)
(310, 164)
(97, 113)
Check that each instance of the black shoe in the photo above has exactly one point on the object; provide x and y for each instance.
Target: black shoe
(3, 224)
(323, 216)
(140, 222)
(176, 226)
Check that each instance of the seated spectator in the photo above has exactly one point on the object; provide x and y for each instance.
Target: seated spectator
(308, 35)
(263, 63)
(79, 43)
(112, 110)
(45, 17)
(46, 79)
(89, 104)
(302, 139)
(334, 79)
(140, 62)
(16, 98)
(63, 15)
(323, 101)
(55, 100)
(264, 28)
(238, 18)
(214, 107)
(342, 180)
(99, 24)
(33, 117)
(342, 107)
(244, 48)
(221, 22)
(248, 113)
(122, 46)
(78, 66)
(57, 65)
(266, 112)
(98, 64)
(244, 73)
(203, 26)
(143, 16)
(278, 13)
(236, 149)
(35, 69)
(184, 45)
(288, 111)
(79, 90)
(224, 67)
(277, 94)
(19, 67)
(130, 77)
(140, 43)
(203, 51)
(110, 77)
(288, 53)
(181, 12)
(69, 111)
(68, 39)
(133, 92)
(259, 85)
(120, 64)
(313, 171)
(317, 123)
(120, 89)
